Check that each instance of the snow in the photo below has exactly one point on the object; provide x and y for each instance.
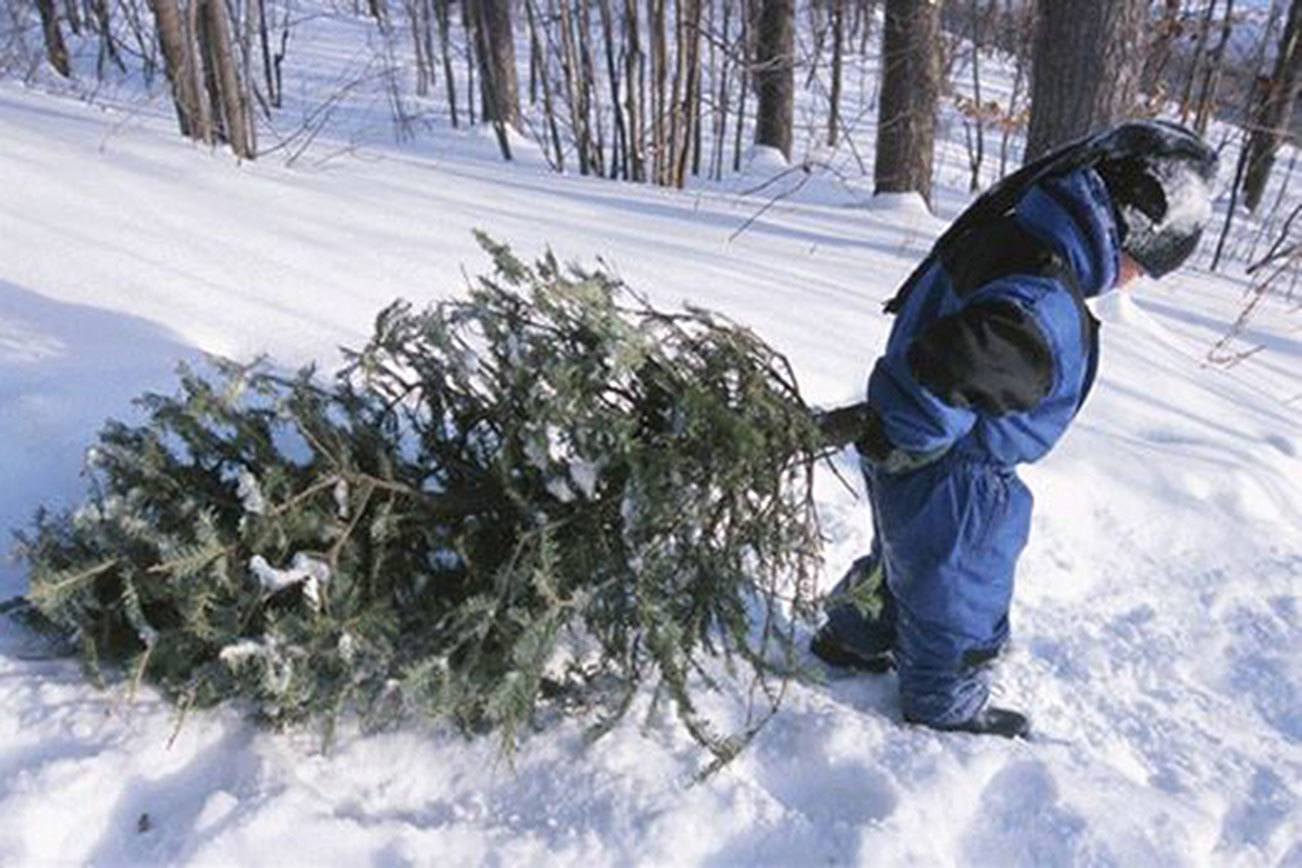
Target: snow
(1156, 622)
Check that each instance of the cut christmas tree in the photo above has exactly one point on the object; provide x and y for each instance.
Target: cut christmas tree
(544, 491)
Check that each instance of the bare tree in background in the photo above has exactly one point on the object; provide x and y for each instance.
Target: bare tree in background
(1274, 110)
(228, 98)
(1168, 29)
(55, 48)
(181, 68)
(495, 46)
(838, 64)
(1212, 75)
(1086, 67)
(910, 95)
(775, 81)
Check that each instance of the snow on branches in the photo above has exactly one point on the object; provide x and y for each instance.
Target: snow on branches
(546, 490)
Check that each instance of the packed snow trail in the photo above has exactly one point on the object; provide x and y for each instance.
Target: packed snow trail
(1155, 625)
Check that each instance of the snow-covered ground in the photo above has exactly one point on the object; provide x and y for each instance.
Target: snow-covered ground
(1157, 619)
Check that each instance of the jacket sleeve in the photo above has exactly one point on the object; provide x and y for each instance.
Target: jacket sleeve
(991, 357)
(999, 354)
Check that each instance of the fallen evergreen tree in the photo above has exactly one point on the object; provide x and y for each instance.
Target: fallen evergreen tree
(546, 490)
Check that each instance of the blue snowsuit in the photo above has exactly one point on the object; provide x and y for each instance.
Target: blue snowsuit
(978, 376)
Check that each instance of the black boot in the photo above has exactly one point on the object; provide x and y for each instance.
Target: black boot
(990, 721)
(833, 653)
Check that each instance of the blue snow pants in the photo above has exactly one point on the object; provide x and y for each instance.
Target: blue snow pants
(948, 536)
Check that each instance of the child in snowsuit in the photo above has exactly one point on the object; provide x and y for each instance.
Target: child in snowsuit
(991, 356)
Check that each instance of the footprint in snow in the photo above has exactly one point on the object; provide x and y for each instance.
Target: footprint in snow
(1022, 822)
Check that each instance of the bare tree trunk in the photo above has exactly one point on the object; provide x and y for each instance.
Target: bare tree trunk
(1275, 110)
(180, 66)
(633, 77)
(588, 86)
(224, 80)
(775, 81)
(686, 86)
(1204, 31)
(470, 28)
(659, 78)
(449, 80)
(619, 143)
(1212, 77)
(720, 78)
(1086, 68)
(976, 145)
(910, 95)
(264, 43)
(495, 45)
(73, 15)
(838, 51)
(424, 63)
(55, 48)
(544, 78)
(1158, 53)
(574, 90)
(103, 24)
(747, 36)
(1234, 200)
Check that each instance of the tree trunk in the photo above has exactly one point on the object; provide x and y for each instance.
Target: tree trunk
(838, 50)
(179, 66)
(775, 81)
(1158, 55)
(976, 143)
(55, 49)
(574, 90)
(499, 86)
(449, 80)
(1085, 68)
(1204, 30)
(687, 80)
(1212, 76)
(229, 97)
(910, 94)
(633, 89)
(1275, 109)
(659, 77)
(747, 37)
(544, 78)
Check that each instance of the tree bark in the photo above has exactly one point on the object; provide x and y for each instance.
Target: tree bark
(55, 48)
(1212, 76)
(179, 66)
(1204, 31)
(544, 78)
(775, 80)
(449, 80)
(499, 86)
(1085, 69)
(634, 93)
(1270, 122)
(910, 95)
(1158, 54)
(619, 144)
(228, 91)
(838, 51)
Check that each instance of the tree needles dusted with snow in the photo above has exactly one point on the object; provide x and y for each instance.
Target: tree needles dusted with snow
(546, 491)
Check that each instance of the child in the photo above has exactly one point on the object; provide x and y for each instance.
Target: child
(991, 356)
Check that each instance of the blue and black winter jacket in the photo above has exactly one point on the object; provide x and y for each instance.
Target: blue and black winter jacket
(993, 349)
